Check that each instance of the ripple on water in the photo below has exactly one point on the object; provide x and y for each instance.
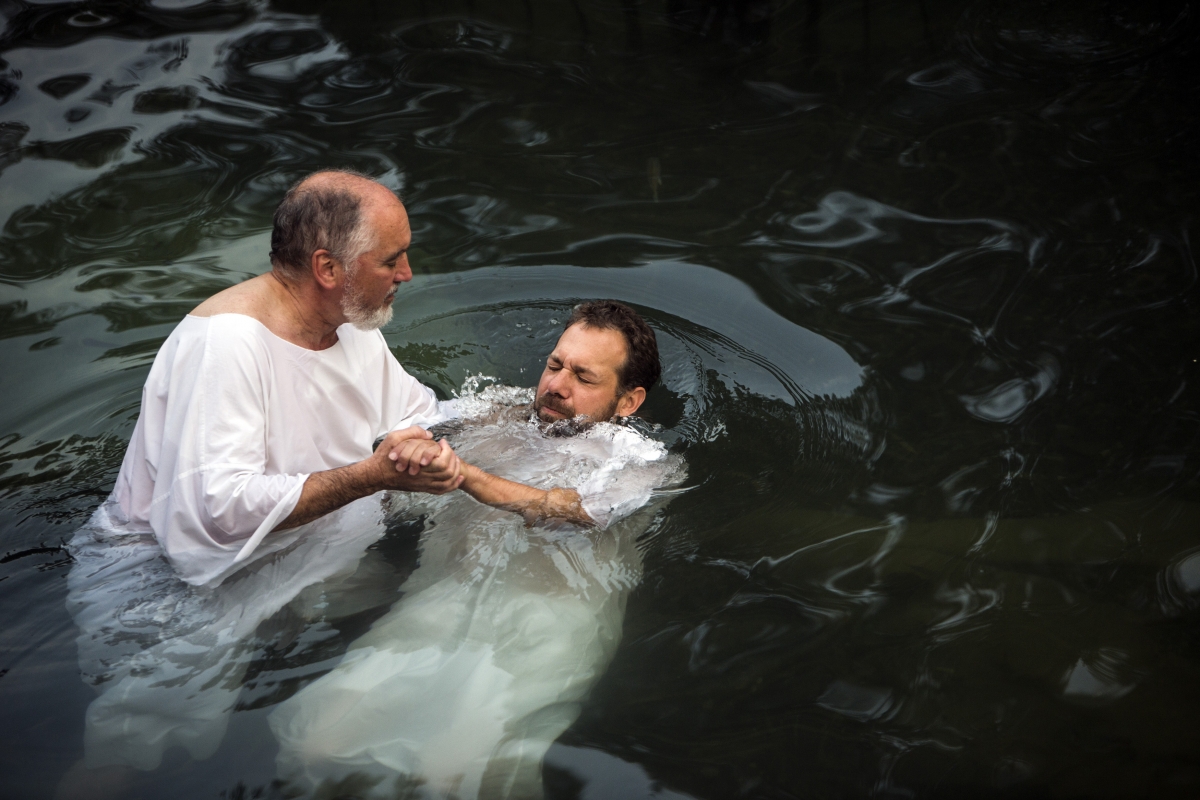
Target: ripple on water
(1033, 38)
(946, 295)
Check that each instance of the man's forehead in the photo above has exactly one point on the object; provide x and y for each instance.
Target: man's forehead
(390, 217)
(590, 349)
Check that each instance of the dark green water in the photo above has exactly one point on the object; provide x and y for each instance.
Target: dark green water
(925, 286)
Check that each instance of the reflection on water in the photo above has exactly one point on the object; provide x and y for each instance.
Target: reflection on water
(924, 280)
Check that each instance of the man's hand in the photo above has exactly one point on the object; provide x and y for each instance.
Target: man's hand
(409, 448)
(410, 461)
(407, 460)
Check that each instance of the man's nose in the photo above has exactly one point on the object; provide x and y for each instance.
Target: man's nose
(403, 271)
(558, 384)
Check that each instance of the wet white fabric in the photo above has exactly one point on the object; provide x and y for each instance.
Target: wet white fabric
(168, 658)
(233, 421)
(459, 690)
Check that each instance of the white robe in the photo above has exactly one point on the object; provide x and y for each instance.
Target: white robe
(462, 687)
(168, 658)
(233, 421)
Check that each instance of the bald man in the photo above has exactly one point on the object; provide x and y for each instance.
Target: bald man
(260, 409)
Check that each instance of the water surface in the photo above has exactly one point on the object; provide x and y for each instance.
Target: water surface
(923, 277)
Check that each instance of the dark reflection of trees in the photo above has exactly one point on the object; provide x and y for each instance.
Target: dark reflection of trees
(56, 25)
(745, 23)
(364, 25)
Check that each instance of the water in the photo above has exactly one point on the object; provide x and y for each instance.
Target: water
(924, 283)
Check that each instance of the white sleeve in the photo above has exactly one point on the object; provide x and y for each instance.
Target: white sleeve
(606, 498)
(214, 502)
(627, 479)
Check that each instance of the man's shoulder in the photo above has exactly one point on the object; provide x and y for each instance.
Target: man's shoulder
(249, 298)
(222, 340)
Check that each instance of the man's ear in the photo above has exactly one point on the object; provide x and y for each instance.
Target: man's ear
(327, 271)
(631, 401)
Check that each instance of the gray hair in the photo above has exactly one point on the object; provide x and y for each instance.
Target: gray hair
(320, 217)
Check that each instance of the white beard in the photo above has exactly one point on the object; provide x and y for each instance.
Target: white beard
(359, 313)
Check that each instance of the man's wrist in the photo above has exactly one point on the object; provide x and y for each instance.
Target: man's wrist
(364, 478)
(474, 479)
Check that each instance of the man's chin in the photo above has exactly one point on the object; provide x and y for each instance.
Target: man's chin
(370, 320)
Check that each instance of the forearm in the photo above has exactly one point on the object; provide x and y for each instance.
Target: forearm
(406, 461)
(328, 491)
(533, 504)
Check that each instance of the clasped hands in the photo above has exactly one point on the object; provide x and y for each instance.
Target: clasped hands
(410, 460)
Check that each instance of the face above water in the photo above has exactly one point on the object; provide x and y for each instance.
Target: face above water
(372, 282)
(580, 378)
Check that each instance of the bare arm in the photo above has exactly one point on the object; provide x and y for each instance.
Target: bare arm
(405, 460)
(533, 504)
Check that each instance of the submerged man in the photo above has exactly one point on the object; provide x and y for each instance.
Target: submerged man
(460, 689)
(601, 368)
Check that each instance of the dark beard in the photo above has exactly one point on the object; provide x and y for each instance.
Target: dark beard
(559, 428)
(546, 401)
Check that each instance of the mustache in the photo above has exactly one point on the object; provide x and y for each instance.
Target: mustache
(552, 403)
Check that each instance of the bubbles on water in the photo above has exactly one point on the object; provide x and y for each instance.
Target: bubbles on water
(1100, 677)
(1010, 399)
(863, 703)
(948, 78)
(481, 393)
(88, 19)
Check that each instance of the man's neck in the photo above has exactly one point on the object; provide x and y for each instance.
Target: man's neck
(295, 311)
(302, 314)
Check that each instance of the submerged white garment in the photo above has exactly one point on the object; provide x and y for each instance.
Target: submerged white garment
(459, 690)
(233, 421)
(166, 658)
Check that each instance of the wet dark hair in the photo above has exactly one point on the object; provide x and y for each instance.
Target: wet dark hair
(641, 367)
(318, 218)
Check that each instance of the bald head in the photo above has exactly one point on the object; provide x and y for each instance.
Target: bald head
(341, 180)
(328, 210)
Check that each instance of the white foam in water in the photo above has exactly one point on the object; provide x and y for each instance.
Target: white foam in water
(460, 688)
(606, 463)
(477, 398)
